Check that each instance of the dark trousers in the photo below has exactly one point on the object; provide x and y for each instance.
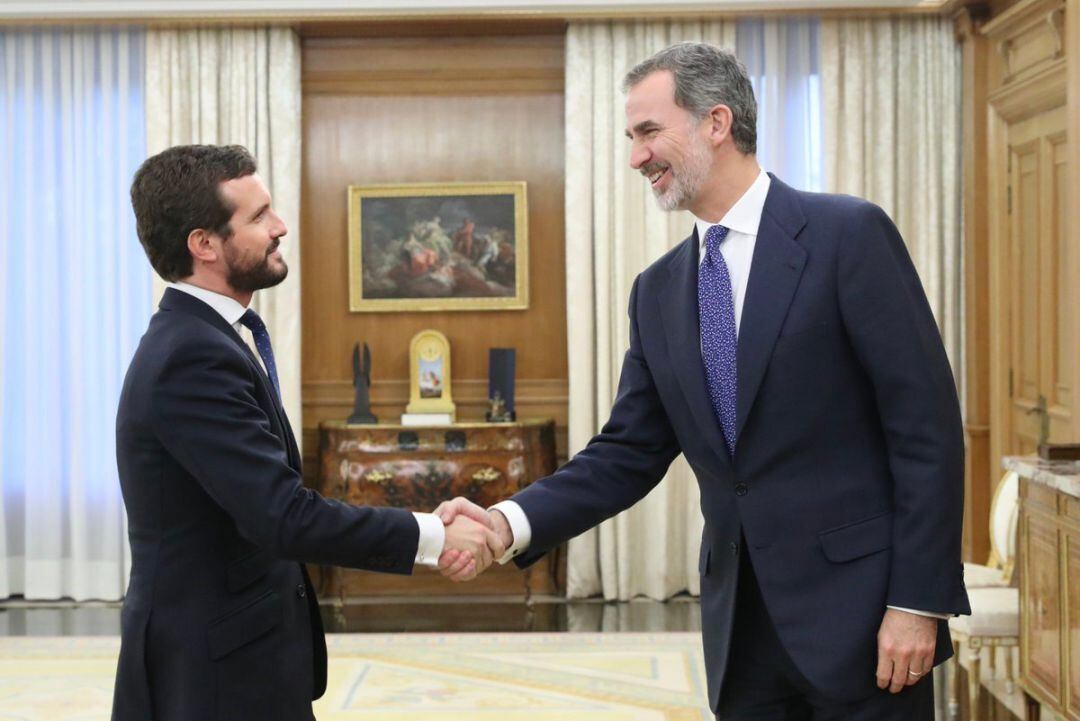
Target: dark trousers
(763, 684)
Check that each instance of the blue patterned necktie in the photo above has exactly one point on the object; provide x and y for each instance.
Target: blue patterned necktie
(255, 324)
(716, 308)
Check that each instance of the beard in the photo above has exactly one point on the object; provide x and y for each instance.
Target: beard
(686, 183)
(255, 277)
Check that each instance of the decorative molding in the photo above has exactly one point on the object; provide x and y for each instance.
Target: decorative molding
(492, 81)
(1038, 92)
(1003, 49)
(967, 19)
(203, 10)
(1056, 20)
(1020, 17)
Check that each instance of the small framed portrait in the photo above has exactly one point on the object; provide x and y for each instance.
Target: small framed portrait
(438, 247)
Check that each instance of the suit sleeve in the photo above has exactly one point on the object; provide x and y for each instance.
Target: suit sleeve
(617, 468)
(206, 416)
(893, 332)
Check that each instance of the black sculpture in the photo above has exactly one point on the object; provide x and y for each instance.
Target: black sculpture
(362, 384)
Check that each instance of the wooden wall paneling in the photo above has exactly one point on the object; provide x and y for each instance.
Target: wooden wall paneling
(996, 210)
(1072, 218)
(1026, 117)
(440, 66)
(1058, 354)
(980, 475)
(397, 110)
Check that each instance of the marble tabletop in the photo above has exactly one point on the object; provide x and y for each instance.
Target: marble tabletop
(1060, 475)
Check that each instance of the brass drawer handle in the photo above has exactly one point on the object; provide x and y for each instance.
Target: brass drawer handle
(486, 475)
(379, 477)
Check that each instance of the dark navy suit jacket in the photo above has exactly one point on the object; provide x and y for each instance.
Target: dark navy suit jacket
(847, 478)
(220, 620)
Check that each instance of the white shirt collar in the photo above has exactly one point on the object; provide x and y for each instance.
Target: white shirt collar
(745, 216)
(226, 307)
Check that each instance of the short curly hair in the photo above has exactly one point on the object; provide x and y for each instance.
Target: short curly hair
(178, 191)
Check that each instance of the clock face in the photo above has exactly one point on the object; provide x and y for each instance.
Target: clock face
(430, 349)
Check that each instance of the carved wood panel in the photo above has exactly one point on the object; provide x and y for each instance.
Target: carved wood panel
(1071, 581)
(1041, 609)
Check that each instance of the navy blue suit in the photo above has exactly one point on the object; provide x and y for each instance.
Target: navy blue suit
(220, 620)
(847, 480)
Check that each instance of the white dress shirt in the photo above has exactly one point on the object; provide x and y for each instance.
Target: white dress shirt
(742, 222)
(432, 532)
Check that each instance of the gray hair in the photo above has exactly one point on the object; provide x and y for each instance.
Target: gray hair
(706, 76)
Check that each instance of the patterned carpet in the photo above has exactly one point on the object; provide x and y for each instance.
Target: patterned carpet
(397, 677)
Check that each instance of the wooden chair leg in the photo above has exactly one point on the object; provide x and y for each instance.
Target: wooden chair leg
(1010, 678)
(974, 685)
(1031, 708)
(954, 684)
(992, 663)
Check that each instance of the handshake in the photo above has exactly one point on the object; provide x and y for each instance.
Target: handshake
(475, 538)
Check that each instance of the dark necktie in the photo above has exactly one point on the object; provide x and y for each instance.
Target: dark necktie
(255, 324)
(716, 308)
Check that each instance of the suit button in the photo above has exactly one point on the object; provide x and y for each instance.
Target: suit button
(301, 591)
(734, 549)
(741, 489)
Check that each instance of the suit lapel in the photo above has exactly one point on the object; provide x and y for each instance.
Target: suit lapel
(774, 275)
(679, 315)
(178, 300)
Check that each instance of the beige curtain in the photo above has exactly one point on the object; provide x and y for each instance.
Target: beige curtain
(614, 229)
(890, 96)
(239, 85)
(891, 101)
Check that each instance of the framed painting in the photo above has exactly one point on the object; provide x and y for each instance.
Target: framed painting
(438, 247)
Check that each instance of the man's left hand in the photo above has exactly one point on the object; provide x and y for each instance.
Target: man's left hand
(906, 644)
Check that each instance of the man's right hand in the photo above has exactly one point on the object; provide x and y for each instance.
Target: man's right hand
(459, 565)
(470, 547)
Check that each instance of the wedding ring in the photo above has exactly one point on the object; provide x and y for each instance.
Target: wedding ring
(912, 673)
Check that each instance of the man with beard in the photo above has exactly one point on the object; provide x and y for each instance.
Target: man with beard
(787, 349)
(220, 620)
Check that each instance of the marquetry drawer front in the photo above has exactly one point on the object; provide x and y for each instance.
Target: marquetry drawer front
(423, 483)
(1072, 622)
(417, 468)
(1041, 609)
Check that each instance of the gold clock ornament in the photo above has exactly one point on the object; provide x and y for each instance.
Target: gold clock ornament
(430, 398)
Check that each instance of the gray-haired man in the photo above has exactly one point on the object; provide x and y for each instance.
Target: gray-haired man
(787, 349)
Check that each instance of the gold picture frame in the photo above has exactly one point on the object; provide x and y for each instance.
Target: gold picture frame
(430, 387)
(438, 247)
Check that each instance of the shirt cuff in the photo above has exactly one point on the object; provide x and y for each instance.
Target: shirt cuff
(519, 529)
(931, 614)
(432, 539)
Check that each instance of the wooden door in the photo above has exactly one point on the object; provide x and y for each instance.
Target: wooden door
(1035, 274)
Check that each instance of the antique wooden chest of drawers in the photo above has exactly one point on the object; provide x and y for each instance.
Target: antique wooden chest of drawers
(419, 467)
